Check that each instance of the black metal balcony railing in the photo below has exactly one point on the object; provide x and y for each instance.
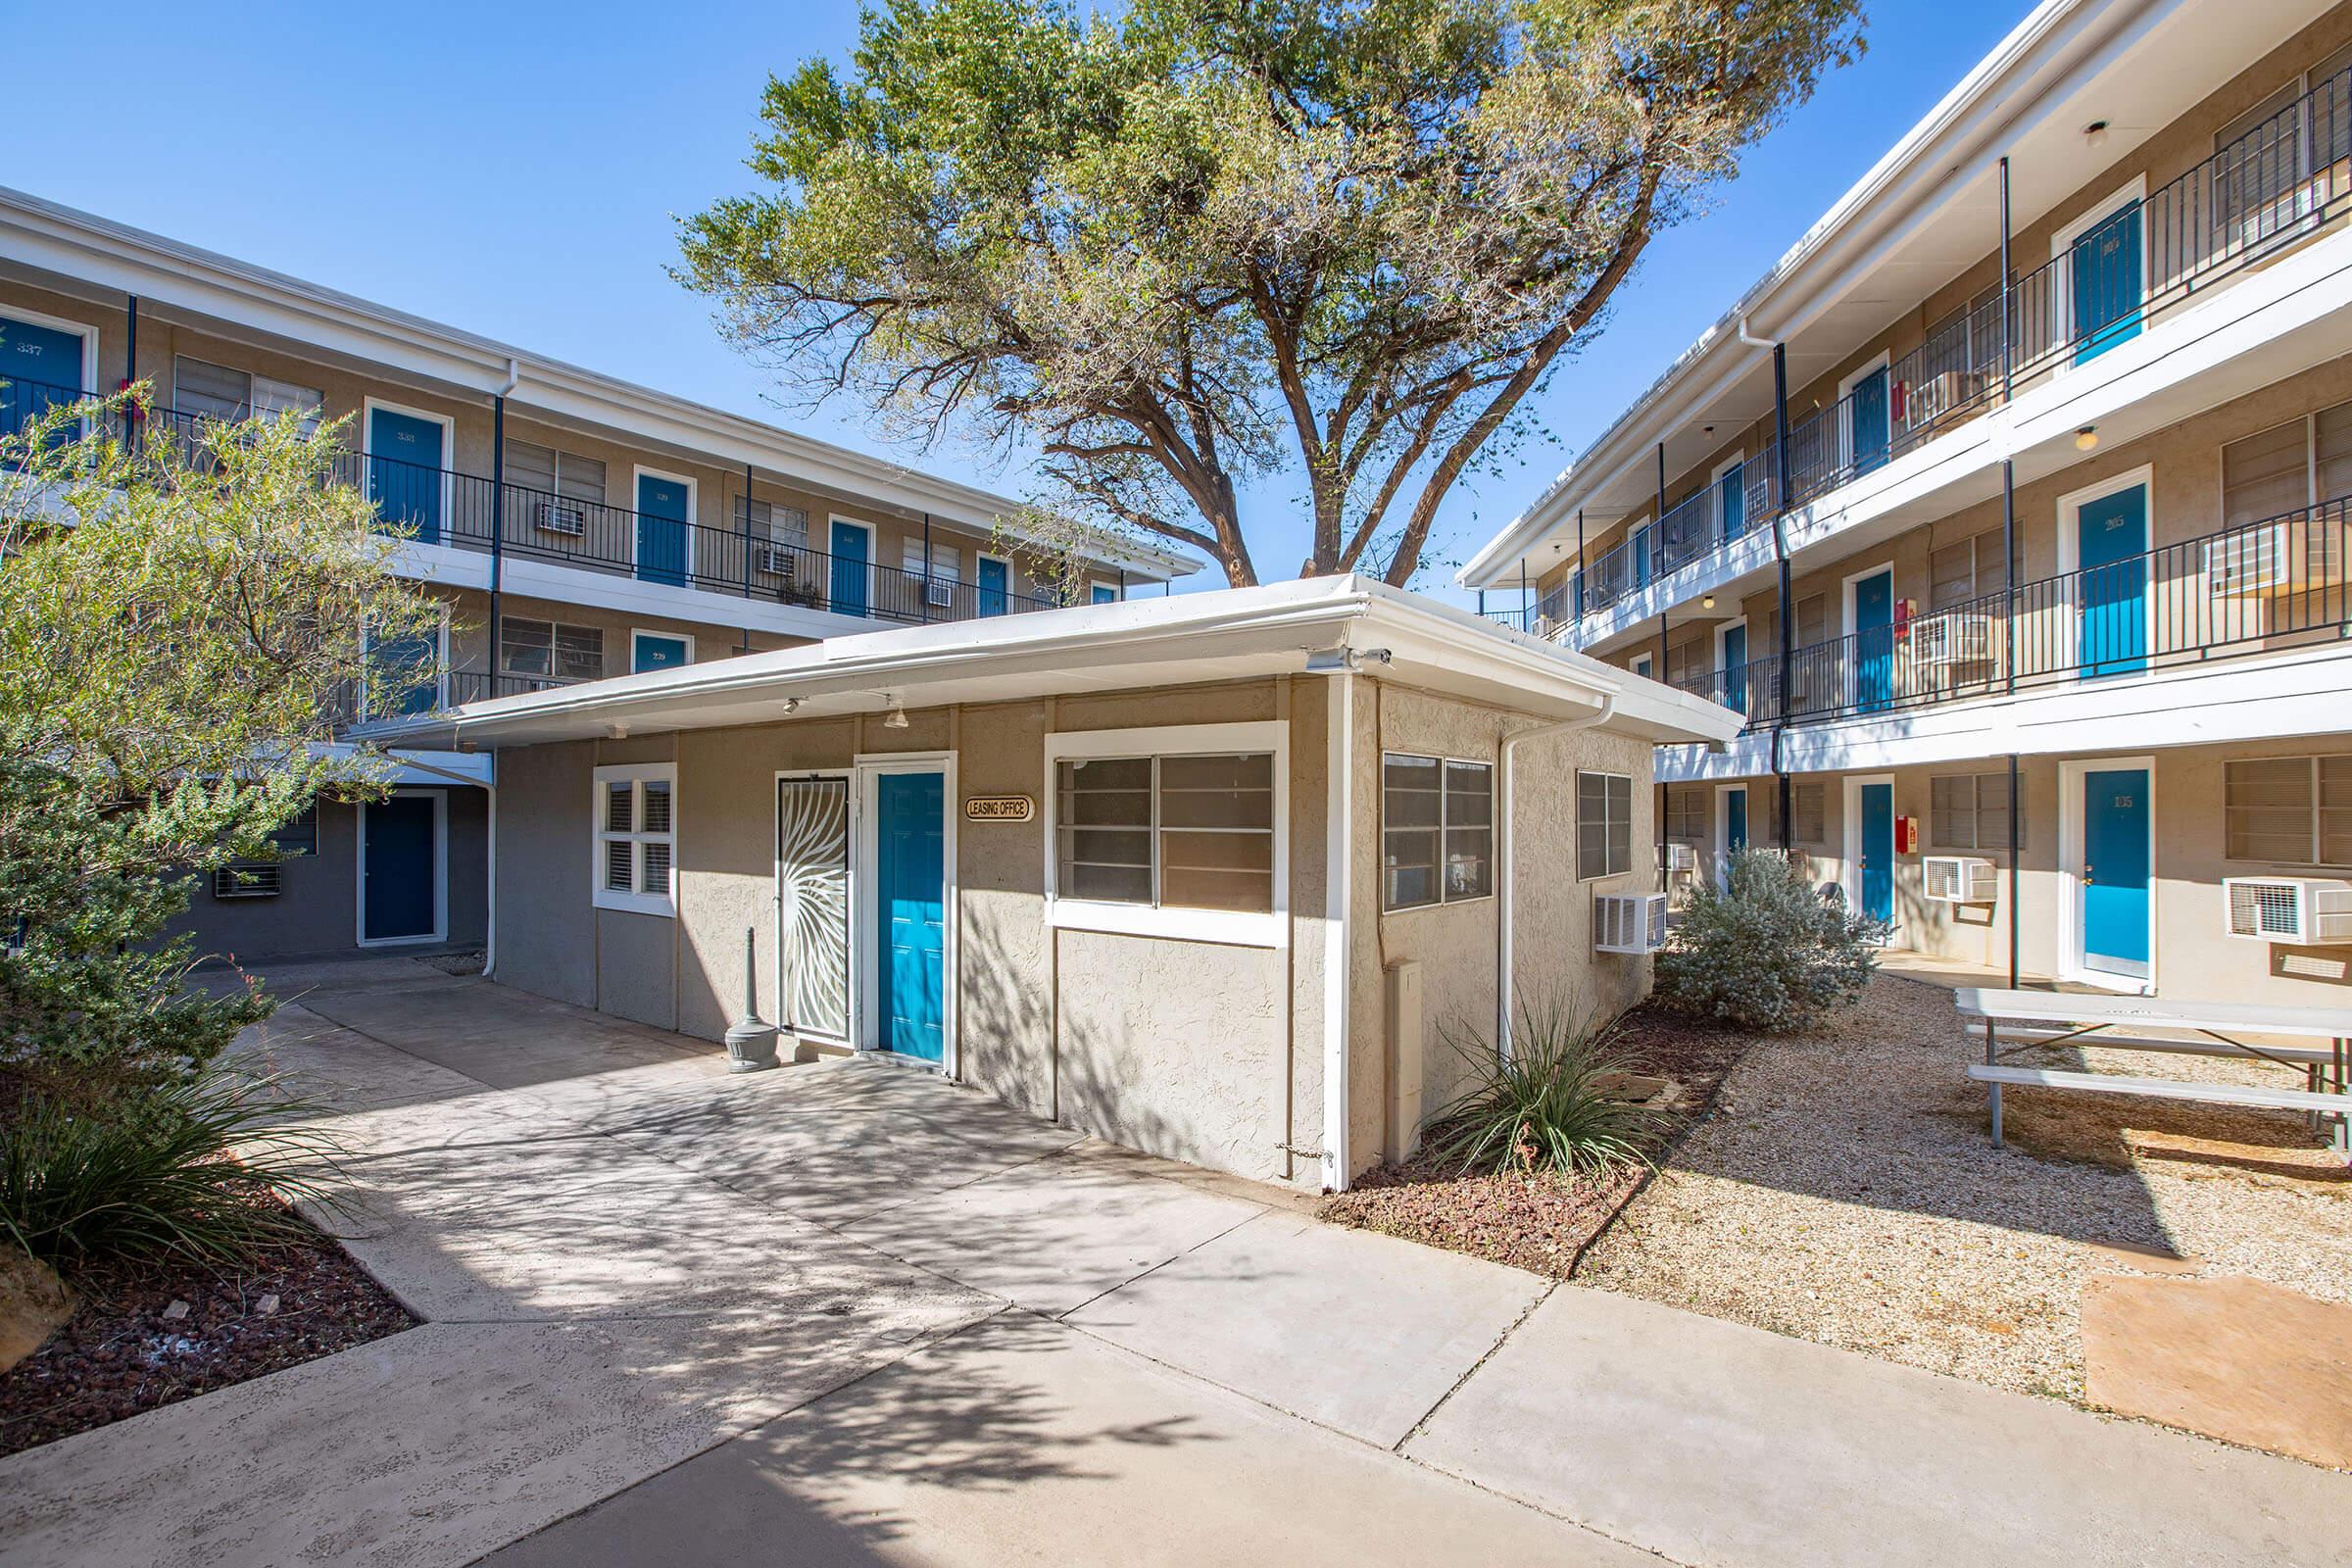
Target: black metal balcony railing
(2261, 587)
(443, 506)
(2286, 179)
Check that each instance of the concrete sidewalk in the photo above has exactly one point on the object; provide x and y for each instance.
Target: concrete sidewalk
(848, 1314)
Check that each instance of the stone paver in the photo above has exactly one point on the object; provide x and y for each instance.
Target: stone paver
(1711, 1441)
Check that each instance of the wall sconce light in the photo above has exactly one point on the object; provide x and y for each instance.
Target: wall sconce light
(1707, 603)
(2095, 134)
(2086, 438)
(791, 704)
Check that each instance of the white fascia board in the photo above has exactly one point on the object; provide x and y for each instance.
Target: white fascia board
(708, 607)
(2249, 699)
(123, 260)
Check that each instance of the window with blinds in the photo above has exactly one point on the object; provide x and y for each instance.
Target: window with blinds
(1970, 810)
(636, 836)
(551, 472)
(1686, 812)
(202, 390)
(946, 562)
(550, 651)
(2288, 466)
(1964, 570)
(779, 525)
(1604, 824)
(1437, 830)
(1808, 814)
(2288, 810)
(1190, 832)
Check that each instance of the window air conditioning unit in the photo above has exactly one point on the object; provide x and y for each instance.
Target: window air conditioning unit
(1959, 638)
(1680, 858)
(2301, 910)
(1628, 922)
(773, 560)
(1938, 395)
(1960, 879)
(2276, 558)
(556, 517)
(939, 593)
(247, 880)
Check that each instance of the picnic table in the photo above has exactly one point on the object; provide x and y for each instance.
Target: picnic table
(2318, 1041)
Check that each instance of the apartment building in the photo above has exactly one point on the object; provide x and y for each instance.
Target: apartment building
(575, 527)
(2011, 508)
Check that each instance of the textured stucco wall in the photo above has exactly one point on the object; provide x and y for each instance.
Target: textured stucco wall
(546, 926)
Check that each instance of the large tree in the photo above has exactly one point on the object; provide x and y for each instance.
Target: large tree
(1212, 241)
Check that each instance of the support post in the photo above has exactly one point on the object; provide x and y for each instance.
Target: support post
(926, 566)
(130, 372)
(498, 536)
(2009, 574)
(1787, 614)
(1526, 601)
(1580, 565)
(2008, 301)
(747, 547)
(2016, 883)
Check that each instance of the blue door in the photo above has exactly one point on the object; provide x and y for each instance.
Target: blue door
(1735, 824)
(402, 853)
(994, 579)
(41, 367)
(2105, 267)
(1731, 501)
(850, 546)
(648, 651)
(911, 906)
(2115, 871)
(1874, 641)
(1877, 852)
(1868, 415)
(1102, 594)
(1734, 668)
(1642, 557)
(404, 677)
(403, 472)
(660, 530)
(2112, 543)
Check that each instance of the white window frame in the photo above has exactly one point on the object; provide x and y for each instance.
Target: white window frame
(636, 632)
(1977, 780)
(1493, 830)
(1576, 784)
(636, 900)
(2311, 863)
(1231, 927)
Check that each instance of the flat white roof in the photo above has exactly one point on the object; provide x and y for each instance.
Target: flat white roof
(1232, 634)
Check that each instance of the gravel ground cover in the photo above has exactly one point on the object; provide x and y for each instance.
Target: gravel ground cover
(1541, 1223)
(1844, 1189)
(126, 1349)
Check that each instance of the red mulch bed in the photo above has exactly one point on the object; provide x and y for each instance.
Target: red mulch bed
(120, 1355)
(1545, 1222)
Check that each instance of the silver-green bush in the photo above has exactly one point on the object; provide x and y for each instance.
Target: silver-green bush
(1766, 952)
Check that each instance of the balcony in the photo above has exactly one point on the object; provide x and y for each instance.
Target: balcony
(2268, 587)
(433, 506)
(2285, 181)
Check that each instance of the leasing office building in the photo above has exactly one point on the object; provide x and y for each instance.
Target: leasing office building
(575, 526)
(2038, 445)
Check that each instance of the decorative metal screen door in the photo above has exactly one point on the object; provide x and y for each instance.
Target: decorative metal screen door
(813, 904)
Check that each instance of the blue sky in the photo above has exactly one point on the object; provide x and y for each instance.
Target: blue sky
(513, 169)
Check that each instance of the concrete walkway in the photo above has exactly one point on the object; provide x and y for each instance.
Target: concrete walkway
(848, 1314)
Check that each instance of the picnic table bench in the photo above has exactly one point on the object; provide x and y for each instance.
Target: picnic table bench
(2286, 1036)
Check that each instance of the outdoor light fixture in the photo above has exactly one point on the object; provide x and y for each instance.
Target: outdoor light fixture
(2096, 133)
(618, 732)
(2086, 438)
(895, 718)
(1707, 603)
(792, 705)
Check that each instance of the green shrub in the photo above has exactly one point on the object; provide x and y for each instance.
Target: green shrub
(1554, 1104)
(187, 1166)
(1766, 952)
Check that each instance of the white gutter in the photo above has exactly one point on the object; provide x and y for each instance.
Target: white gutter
(1505, 861)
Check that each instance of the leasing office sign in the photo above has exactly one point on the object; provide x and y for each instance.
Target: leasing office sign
(999, 808)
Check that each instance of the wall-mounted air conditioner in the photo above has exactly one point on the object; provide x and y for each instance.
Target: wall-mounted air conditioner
(1628, 922)
(773, 560)
(1960, 879)
(247, 880)
(2301, 910)
(938, 595)
(1958, 638)
(1680, 858)
(554, 516)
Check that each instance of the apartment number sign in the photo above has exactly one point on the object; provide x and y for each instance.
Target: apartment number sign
(999, 808)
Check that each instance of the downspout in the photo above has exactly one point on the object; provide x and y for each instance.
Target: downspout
(1339, 854)
(1787, 615)
(498, 525)
(1506, 858)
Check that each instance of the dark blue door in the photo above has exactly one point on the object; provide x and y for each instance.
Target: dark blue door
(1735, 820)
(850, 547)
(992, 582)
(1730, 500)
(651, 652)
(403, 472)
(1877, 852)
(405, 676)
(2115, 871)
(2112, 543)
(41, 367)
(1102, 594)
(1874, 641)
(397, 894)
(911, 904)
(660, 530)
(1734, 668)
(2105, 263)
(1869, 414)
(1642, 557)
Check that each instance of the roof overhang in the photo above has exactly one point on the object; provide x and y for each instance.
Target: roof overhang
(1232, 634)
